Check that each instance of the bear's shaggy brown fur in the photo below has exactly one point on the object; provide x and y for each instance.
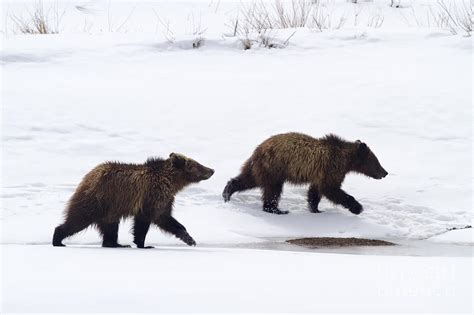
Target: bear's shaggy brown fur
(113, 191)
(301, 159)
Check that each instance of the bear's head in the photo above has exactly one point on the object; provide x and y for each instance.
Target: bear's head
(365, 162)
(191, 170)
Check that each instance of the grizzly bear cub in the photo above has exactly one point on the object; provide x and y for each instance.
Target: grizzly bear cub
(301, 159)
(112, 191)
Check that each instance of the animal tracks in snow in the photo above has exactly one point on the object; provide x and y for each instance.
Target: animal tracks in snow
(412, 221)
(401, 219)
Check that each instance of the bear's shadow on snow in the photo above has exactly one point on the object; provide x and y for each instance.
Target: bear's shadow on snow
(182, 248)
(6, 59)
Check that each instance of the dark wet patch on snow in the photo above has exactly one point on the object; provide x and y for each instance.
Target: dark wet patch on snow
(318, 242)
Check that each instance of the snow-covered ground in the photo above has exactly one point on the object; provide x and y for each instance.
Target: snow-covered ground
(178, 279)
(112, 86)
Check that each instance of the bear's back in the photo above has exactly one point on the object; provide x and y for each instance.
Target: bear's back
(296, 157)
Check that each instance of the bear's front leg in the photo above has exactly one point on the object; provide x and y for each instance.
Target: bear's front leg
(339, 196)
(170, 225)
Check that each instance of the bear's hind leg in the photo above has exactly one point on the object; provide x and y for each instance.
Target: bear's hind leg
(271, 197)
(109, 232)
(314, 197)
(67, 229)
(239, 183)
(80, 213)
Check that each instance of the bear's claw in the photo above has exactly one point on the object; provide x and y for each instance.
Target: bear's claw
(188, 240)
(115, 245)
(226, 196)
(276, 211)
(356, 208)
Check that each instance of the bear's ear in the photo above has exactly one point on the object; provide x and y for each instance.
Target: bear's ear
(362, 150)
(178, 160)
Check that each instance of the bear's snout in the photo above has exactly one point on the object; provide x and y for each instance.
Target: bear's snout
(209, 172)
(382, 173)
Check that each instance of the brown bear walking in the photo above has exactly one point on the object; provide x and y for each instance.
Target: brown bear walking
(301, 159)
(112, 191)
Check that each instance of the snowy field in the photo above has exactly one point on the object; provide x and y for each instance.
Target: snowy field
(121, 81)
